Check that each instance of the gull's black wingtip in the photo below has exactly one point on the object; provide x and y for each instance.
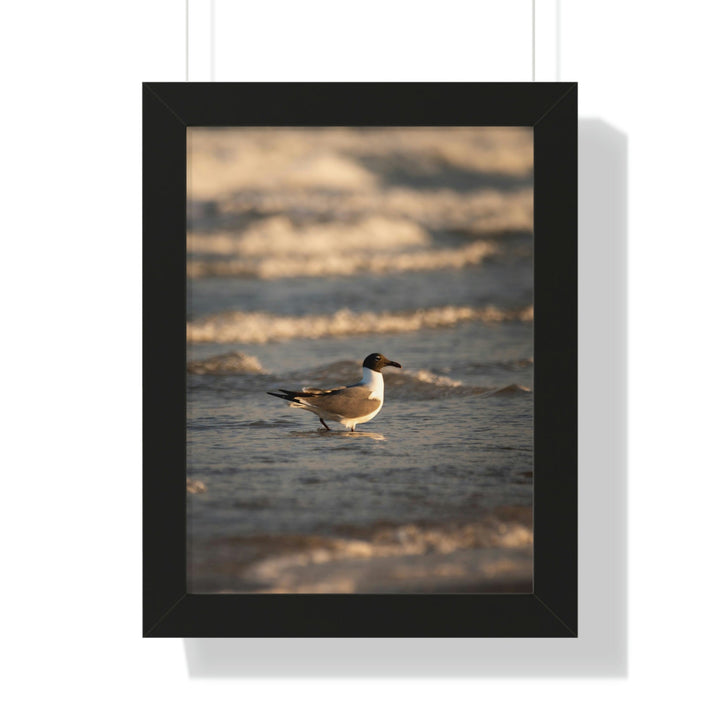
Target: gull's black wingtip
(282, 397)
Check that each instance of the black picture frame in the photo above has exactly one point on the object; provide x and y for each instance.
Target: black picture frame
(551, 609)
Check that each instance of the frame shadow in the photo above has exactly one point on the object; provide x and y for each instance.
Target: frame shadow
(601, 648)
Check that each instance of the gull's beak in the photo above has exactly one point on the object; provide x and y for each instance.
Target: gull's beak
(393, 363)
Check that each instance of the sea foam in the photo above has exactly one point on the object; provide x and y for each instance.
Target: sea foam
(341, 261)
(261, 327)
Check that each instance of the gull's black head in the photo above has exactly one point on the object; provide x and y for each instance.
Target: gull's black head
(377, 362)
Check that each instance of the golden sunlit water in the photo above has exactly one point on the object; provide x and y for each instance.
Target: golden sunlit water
(309, 249)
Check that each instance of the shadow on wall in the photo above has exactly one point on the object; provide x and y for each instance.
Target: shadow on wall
(601, 649)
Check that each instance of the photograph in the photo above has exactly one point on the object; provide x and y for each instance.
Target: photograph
(360, 360)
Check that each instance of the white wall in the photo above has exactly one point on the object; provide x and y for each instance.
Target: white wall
(71, 356)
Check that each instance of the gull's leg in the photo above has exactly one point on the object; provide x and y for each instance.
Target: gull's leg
(323, 422)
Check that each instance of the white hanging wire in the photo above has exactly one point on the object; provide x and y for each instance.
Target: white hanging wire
(557, 40)
(546, 33)
(212, 40)
(533, 40)
(211, 8)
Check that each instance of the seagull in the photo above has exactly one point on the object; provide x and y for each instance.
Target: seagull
(349, 404)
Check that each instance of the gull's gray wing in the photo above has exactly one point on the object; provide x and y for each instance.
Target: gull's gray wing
(350, 402)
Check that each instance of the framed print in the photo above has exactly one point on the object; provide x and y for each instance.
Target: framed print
(360, 359)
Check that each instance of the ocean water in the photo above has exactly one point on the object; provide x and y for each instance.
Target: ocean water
(309, 249)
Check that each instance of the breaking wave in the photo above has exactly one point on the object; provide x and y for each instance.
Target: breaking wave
(341, 261)
(348, 159)
(277, 236)
(260, 327)
(496, 550)
(232, 363)
(471, 212)
(424, 385)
